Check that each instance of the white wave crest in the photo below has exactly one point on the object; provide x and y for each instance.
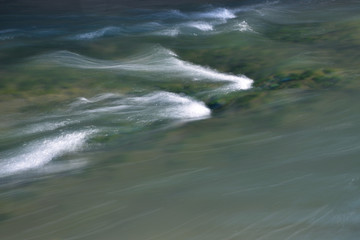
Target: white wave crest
(39, 153)
(159, 61)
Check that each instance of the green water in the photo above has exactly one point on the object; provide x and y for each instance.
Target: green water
(234, 121)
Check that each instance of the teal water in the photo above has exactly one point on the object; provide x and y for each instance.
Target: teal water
(223, 121)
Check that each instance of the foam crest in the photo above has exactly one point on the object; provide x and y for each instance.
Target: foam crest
(39, 153)
(159, 61)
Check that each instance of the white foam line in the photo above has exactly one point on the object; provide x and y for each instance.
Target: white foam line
(148, 108)
(111, 109)
(158, 61)
(201, 25)
(166, 105)
(47, 126)
(63, 166)
(217, 13)
(110, 30)
(39, 153)
(7, 31)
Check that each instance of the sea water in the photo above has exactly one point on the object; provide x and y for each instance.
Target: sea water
(111, 125)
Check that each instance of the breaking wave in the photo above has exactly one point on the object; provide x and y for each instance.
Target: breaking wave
(159, 61)
(38, 153)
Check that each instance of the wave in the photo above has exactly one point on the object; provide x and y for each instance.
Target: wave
(156, 106)
(217, 13)
(173, 23)
(166, 22)
(106, 31)
(39, 153)
(47, 126)
(203, 26)
(124, 113)
(132, 111)
(243, 27)
(171, 32)
(10, 34)
(166, 105)
(214, 13)
(158, 61)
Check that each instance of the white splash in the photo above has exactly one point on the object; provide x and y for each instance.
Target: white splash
(39, 153)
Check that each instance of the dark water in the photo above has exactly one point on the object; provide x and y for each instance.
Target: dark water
(152, 120)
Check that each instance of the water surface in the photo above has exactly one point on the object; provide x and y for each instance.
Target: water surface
(232, 120)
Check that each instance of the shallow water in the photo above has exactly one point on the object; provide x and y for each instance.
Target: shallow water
(136, 123)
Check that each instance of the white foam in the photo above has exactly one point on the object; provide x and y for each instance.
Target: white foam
(150, 107)
(166, 105)
(111, 30)
(39, 153)
(7, 30)
(243, 27)
(7, 34)
(217, 13)
(172, 32)
(203, 26)
(47, 126)
(63, 166)
(160, 61)
(111, 109)
(7, 37)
